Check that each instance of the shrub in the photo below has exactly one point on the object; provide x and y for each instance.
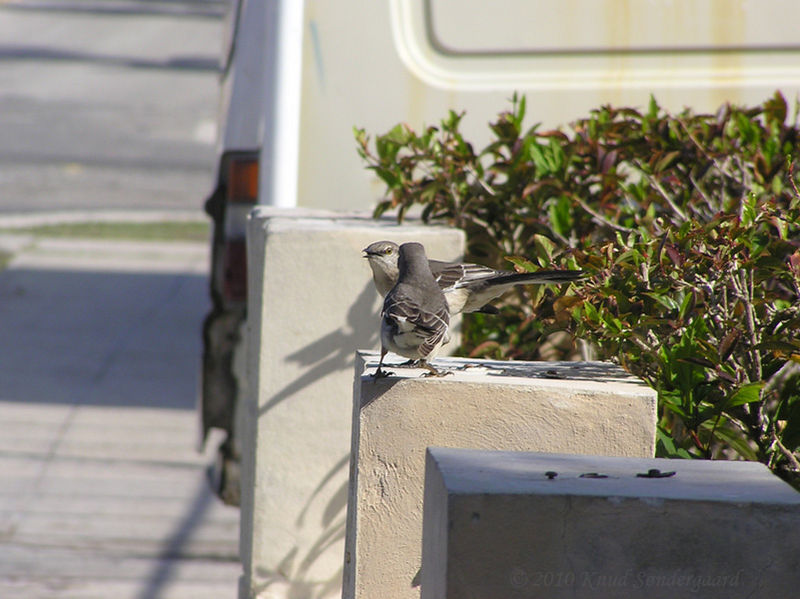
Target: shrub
(689, 229)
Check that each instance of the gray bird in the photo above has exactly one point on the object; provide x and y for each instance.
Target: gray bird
(415, 316)
(467, 287)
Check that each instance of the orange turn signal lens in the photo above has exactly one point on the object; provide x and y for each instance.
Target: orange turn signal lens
(243, 181)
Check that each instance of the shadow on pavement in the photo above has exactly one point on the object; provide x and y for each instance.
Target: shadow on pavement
(101, 338)
(86, 338)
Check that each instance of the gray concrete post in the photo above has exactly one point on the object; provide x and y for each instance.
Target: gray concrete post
(503, 524)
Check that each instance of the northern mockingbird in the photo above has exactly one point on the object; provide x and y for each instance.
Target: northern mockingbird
(415, 317)
(467, 287)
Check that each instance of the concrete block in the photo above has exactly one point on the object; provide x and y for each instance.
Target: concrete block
(311, 304)
(496, 525)
(588, 407)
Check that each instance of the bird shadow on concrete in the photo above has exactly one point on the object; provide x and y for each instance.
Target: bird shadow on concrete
(334, 350)
(303, 584)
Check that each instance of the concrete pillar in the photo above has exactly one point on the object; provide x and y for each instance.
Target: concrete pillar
(497, 525)
(588, 407)
(311, 304)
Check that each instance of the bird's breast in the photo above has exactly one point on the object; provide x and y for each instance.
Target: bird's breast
(456, 299)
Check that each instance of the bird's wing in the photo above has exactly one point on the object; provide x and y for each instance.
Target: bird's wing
(452, 275)
(470, 287)
(409, 317)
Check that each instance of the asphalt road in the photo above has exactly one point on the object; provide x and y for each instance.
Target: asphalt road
(108, 104)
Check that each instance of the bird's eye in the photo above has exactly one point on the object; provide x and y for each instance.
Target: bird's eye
(387, 251)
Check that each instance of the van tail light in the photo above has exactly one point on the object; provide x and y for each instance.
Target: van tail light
(241, 194)
(242, 183)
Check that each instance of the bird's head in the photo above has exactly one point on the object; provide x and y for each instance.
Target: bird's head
(382, 257)
(383, 253)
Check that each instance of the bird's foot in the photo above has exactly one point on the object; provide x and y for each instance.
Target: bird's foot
(432, 371)
(380, 373)
(436, 373)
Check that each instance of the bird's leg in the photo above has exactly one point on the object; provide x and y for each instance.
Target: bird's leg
(431, 370)
(379, 373)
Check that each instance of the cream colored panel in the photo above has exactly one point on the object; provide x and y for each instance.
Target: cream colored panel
(376, 63)
(594, 44)
(459, 27)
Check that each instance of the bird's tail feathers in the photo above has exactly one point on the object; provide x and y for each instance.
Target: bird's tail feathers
(541, 276)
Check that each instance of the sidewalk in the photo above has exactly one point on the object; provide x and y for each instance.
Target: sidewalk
(102, 493)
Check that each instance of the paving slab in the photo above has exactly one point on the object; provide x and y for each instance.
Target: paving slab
(102, 490)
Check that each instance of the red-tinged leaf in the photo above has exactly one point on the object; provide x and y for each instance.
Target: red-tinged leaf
(698, 361)
(762, 168)
(531, 188)
(674, 255)
(554, 133)
(608, 161)
(794, 263)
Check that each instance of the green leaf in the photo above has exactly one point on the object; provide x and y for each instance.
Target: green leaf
(666, 447)
(451, 122)
(666, 161)
(775, 109)
(664, 300)
(787, 345)
(557, 157)
(687, 304)
(747, 393)
(790, 413)
(525, 264)
(400, 134)
(629, 256)
(539, 159)
(388, 177)
(561, 216)
(518, 110)
(652, 108)
(591, 312)
(734, 440)
(544, 249)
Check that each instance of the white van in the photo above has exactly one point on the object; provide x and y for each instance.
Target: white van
(300, 74)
